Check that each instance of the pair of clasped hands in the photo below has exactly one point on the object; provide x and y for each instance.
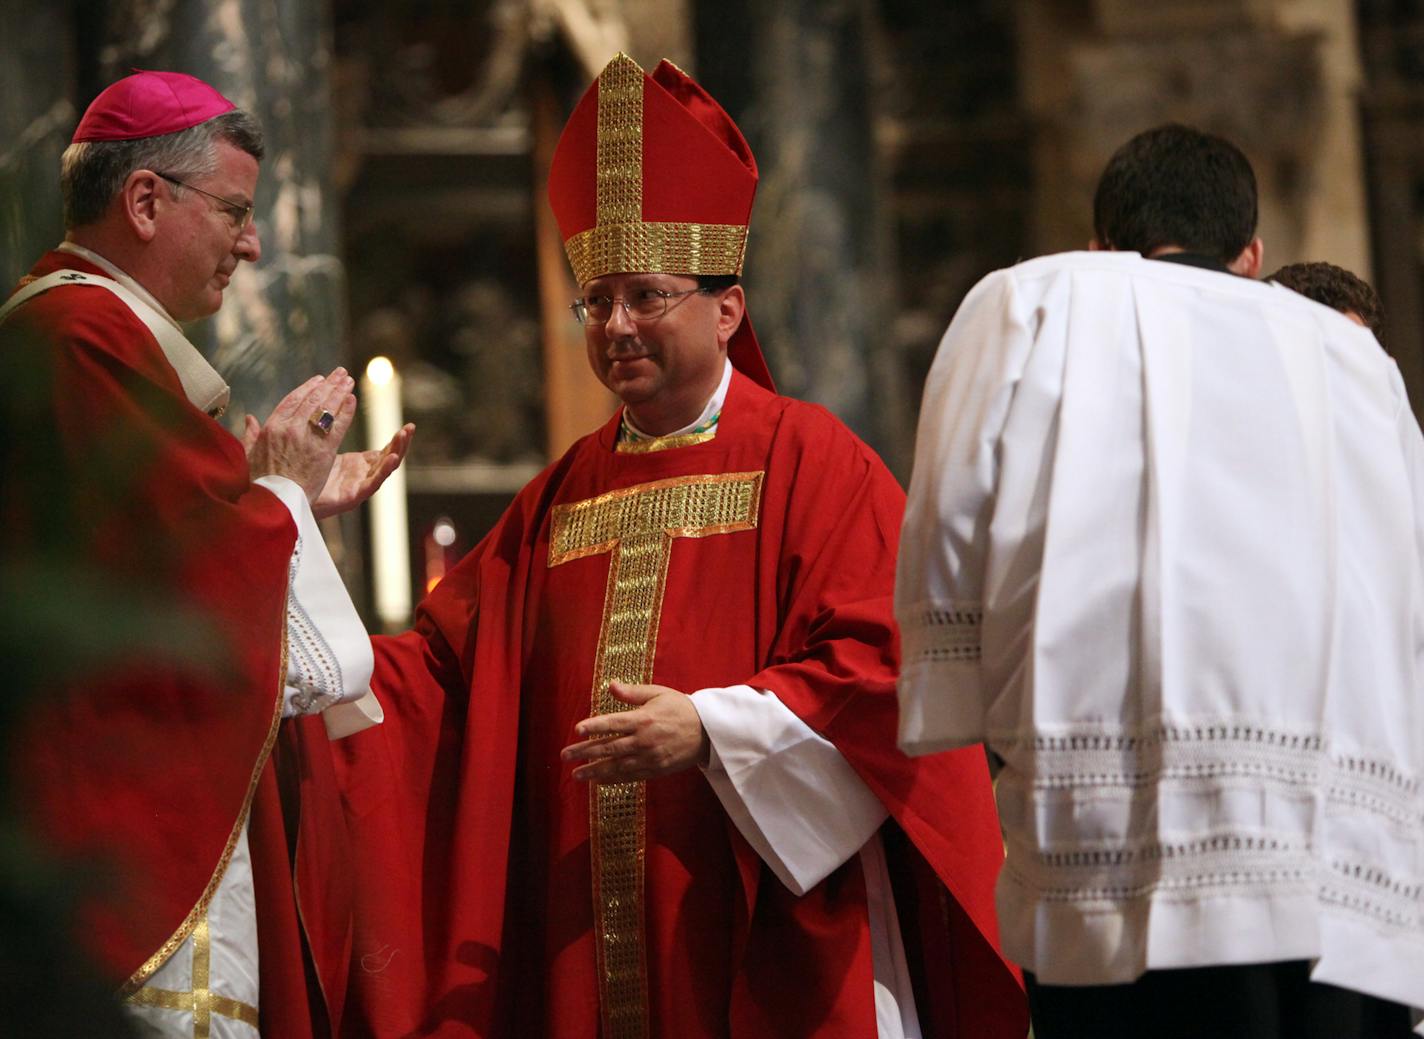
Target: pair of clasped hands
(293, 444)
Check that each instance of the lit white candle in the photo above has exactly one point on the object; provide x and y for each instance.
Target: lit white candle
(390, 533)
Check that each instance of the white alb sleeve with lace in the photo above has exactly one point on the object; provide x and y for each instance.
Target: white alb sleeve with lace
(329, 659)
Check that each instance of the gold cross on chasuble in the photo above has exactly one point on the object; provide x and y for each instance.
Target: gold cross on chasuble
(636, 526)
(200, 999)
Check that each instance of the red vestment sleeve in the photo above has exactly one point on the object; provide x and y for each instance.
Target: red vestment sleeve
(430, 772)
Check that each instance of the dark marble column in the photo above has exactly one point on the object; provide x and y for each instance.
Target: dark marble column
(37, 116)
(797, 77)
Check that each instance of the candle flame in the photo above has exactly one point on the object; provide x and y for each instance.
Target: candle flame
(380, 371)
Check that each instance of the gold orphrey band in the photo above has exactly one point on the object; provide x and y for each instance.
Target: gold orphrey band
(201, 1000)
(620, 239)
(636, 526)
(620, 142)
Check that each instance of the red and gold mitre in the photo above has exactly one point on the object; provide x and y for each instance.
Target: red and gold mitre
(650, 174)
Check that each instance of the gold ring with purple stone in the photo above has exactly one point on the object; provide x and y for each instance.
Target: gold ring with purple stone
(322, 421)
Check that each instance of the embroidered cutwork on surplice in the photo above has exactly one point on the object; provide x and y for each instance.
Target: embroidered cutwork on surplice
(1357, 785)
(200, 999)
(1098, 758)
(1137, 769)
(636, 526)
(942, 633)
(1367, 890)
(314, 670)
(1172, 869)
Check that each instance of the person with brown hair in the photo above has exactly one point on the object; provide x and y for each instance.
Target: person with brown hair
(1337, 289)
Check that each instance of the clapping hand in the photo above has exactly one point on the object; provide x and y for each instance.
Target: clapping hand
(356, 475)
(300, 439)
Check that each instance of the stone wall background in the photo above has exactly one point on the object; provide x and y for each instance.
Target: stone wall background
(907, 147)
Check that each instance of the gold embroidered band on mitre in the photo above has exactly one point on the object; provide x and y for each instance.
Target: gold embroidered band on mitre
(636, 526)
(621, 240)
(659, 248)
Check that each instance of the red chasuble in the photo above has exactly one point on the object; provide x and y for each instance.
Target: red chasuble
(497, 898)
(144, 767)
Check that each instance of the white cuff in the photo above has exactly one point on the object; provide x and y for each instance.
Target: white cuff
(792, 795)
(347, 719)
(329, 659)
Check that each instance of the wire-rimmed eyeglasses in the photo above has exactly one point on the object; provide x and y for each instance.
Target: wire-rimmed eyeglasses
(643, 305)
(238, 213)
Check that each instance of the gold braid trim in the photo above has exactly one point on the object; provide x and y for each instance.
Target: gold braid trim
(652, 444)
(670, 248)
(201, 1000)
(619, 170)
(199, 912)
(636, 526)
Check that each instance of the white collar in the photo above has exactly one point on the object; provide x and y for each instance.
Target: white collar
(119, 276)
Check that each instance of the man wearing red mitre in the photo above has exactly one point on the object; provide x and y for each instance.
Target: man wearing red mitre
(161, 773)
(638, 774)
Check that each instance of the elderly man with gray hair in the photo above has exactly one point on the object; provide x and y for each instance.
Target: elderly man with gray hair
(161, 772)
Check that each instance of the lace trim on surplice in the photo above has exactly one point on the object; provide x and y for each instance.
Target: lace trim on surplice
(942, 633)
(1137, 766)
(314, 671)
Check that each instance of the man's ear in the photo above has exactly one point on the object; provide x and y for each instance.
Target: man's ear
(139, 203)
(1095, 246)
(1248, 263)
(731, 305)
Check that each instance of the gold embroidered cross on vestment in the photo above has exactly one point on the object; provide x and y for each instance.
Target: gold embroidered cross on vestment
(636, 526)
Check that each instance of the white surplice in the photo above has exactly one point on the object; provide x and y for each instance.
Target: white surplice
(1162, 553)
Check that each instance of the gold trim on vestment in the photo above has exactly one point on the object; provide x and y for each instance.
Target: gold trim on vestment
(688, 509)
(201, 1000)
(669, 248)
(621, 240)
(199, 913)
(619, 169)
(636, 526)
(648, 445)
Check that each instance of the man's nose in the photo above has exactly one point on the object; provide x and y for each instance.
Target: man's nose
(620, 323)
(248, 246)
